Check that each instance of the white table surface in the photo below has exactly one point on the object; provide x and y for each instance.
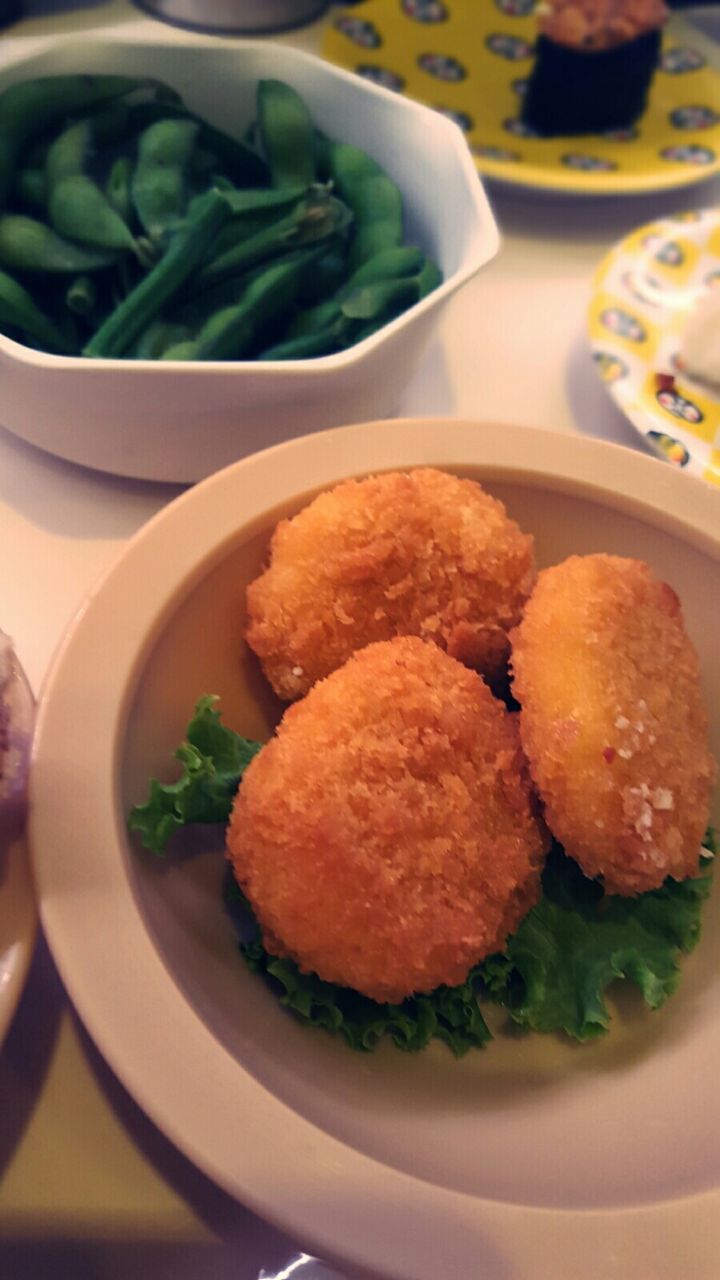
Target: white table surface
(88, 1186)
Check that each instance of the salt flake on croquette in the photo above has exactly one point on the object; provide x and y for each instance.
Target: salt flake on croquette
(613, 722)
(386, 836)
(419, 553)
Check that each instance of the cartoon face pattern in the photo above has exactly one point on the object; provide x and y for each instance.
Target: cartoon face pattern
(441, 66)
(519, 129)
(679, 406)
(510, 47)
(363, 33)
(672, 449)
(493, 153)
(382, 76)
(622, 135)
(690, 154)
(678, 61)
(670, 254)
(693, 117)
(622, 323)
(590, 164)
(515, 8)
(425, 10)
(610, 367)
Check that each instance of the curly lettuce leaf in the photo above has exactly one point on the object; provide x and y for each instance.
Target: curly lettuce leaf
(450, 1014)
(557, 967)
(213, 760)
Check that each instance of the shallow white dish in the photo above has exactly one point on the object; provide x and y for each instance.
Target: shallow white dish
(531, 1160)
(18, 913)
(181, 420)
(643, 291)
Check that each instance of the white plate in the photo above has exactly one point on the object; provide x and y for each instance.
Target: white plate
(532, 1160)
(18, 915)
(643, 291)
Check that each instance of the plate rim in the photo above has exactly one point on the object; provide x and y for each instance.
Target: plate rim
(638, 418)
(304, 1180)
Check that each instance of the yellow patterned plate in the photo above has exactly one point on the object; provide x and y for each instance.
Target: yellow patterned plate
(471, 58)
(642, 292)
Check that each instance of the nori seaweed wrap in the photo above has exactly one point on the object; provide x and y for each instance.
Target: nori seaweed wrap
(594, 65)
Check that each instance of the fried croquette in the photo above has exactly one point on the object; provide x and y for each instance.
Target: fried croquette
(386, 837)
(420, 553)
(613, 722)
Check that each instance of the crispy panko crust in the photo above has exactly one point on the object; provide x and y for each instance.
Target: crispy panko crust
(613, 722)
(386, 837)
(420, 553)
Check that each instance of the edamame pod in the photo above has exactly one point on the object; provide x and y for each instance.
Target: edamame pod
(322, 342)
(287, 134)
(28, 245)
(117, 187)
(30, 106)
(429, 278)
(186, 249)
(382, 298)
(79, 210)
(231, 333)
(81, 296)
(241, 162)
(18, 310)
(389, 264)
(377, 207)
(349, 167)
(313, 220)
(67, 154)
(157, 338)
(159, 185)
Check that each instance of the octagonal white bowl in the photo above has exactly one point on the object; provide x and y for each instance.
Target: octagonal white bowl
(180, 421)
(533, 1159)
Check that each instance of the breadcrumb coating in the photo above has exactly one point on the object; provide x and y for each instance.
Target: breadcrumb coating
(386, 836)
(613, 722)
(420, 553)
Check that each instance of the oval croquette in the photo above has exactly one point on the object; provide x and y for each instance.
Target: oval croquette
(420, 553)
(385, 837)
(613, 722)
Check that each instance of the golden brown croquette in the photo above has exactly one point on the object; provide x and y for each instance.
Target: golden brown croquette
(419, 553)
(613, 722)
(386, 837)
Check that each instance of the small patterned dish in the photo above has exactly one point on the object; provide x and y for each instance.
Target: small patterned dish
(470, 59)
(642, 293)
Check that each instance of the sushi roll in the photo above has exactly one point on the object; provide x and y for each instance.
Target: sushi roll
(595, 60)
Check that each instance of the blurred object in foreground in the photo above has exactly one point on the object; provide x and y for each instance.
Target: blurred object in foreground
(235, 16)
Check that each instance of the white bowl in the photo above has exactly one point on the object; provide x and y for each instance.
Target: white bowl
(179, 421)
(530, 1160)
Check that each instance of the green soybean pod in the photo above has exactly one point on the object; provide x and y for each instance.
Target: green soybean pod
(377, 206)
(322, 342)
(429, 278)
(383, 298)
(287, 134)
(243, 164)
(313, 220)
(31, 106)
(181, 350)
(186, 249)
(157, 338)
(29, 245)
(18, 310)
(68, 153)
(349, 167)
(78, 209)
(117, 187)
(81, 296)
(231, 333)
(395, 263)
(159, 185)
(312, 319)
